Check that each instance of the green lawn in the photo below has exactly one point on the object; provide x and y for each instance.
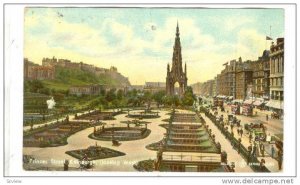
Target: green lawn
(59, 85)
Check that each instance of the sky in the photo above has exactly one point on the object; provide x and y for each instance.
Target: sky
(139, 41)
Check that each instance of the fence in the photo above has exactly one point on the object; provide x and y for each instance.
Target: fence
(243, 151)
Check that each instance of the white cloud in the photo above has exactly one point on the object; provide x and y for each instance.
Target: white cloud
(80, 42)
(250, 44)
(231, 23)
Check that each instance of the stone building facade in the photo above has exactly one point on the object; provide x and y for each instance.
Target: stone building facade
(226, 80)
(261, 74)
(244, 72)
(35, 72)
(276, 75)
(112, 72)
(85, 90)
(154, 86)
(260, 79)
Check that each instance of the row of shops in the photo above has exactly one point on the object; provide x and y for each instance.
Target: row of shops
(245, 107)
(259, 103)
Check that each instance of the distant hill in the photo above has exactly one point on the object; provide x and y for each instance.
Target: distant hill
(65, 78)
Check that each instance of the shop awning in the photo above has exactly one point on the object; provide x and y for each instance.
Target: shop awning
(237, 101)
(257, 103)
(275, 104)
(248, 102)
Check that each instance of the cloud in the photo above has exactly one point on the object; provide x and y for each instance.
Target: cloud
(250, 44)
(232, 22)
(142, 55)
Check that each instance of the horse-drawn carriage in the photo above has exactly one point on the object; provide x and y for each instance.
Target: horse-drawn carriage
(258, 130)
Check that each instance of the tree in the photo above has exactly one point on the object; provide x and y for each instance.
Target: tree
(111, 95)
(115, 103)
(26, 86)
(58, 97)
(35, 86)
(94, 103)
(167, 100)
(102, 91)
(103, 101)
(45, 91)
(147, 98)
(159, 97)
(189, 97)
(175, 100)
(120, 94)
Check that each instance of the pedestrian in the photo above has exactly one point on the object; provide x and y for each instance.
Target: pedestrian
(241, 132)
(239, 145)
(272, 151)
(260, 144)
(280, 153)
(232, 144)
(267, 117)
(249, 154)
(250, 137)
(262, 164)
(262, 150)
(254, 150)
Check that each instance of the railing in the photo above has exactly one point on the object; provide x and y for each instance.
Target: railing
(242, 149)
(191, 158)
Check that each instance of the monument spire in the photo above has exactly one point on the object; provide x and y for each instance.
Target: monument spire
(176, 74)
(177, 30)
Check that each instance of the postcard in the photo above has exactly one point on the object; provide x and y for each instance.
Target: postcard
(192, 90)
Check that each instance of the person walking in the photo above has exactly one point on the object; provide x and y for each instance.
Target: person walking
(249, 154)
(272, 151)
(262, 150)
(239, 145)
(241, 132)
(254, 150)
(267, 117)
(260, 145)
(280, 154)
(262, 164)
